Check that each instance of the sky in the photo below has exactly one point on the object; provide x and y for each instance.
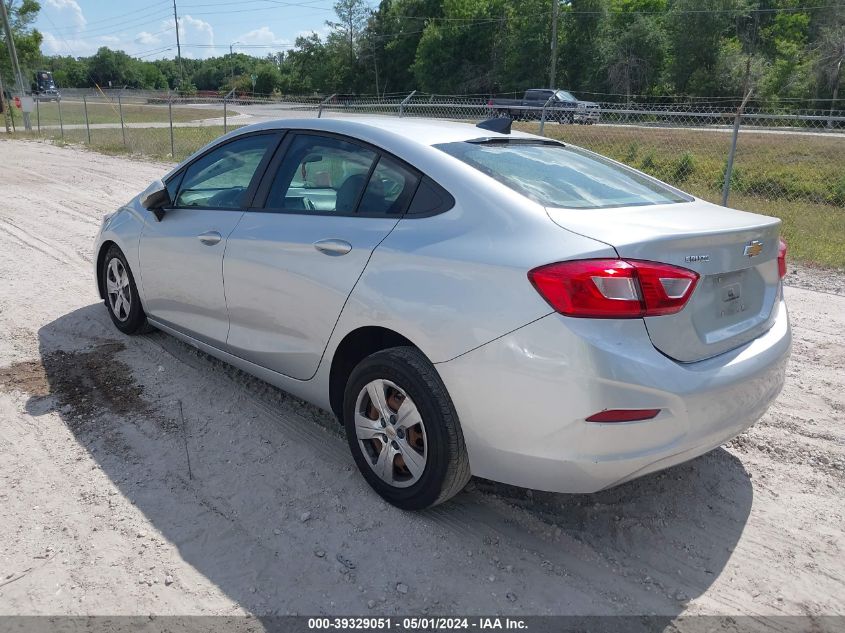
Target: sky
(146, 29)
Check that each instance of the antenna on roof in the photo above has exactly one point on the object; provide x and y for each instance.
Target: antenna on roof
(502, 125)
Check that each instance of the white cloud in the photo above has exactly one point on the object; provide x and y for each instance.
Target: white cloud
(194, 31)
(73, 7)
(262, 35)
(147, 39)
(323, 32)
(53, 45)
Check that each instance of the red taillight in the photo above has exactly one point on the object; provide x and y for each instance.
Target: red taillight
(614, 288)
(623, 415)
(782, 258)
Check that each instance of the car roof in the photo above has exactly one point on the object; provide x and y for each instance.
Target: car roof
(419, 131)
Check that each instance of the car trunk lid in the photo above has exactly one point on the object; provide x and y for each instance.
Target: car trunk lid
(734, 252)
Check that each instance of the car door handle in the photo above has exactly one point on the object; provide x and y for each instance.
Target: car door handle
(333, 247)
(210, 238)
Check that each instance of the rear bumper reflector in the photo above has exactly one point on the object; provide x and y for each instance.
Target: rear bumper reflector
(623, 415)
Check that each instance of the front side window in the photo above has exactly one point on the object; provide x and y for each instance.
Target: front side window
(321, 174)
(556, 175)
(220, 179)
(562, 95)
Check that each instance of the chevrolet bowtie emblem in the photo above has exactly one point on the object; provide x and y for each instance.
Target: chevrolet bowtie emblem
(753, 248)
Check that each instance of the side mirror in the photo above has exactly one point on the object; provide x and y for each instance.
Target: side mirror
(156, 197)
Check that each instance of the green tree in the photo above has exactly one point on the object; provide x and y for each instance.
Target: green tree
(695, 29)
(343, 40)
(830, 58)
(582, 29)
(459, 53)
(27, 42)
(634, 46)
(268, 79)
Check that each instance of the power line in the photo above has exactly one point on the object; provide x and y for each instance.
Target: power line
(122, 16)
(117, 27)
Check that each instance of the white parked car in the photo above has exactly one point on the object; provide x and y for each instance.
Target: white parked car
(466, 299)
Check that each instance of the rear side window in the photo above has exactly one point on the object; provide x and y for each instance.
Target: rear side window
(220, 179)
(430, 199)
(389, 190)
(562, 176)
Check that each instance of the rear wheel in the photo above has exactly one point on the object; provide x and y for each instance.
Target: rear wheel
(122, 299)
(403, 430)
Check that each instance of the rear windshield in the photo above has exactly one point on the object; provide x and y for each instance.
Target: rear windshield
(556, 175)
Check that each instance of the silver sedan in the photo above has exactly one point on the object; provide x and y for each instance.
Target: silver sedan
(466, 299)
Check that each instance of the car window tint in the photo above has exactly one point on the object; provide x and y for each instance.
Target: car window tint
(389, 190)
(320, 174)
(220, 179)
(430, 198)
(563, 176)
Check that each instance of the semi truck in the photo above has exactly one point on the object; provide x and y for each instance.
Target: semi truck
(44, 88)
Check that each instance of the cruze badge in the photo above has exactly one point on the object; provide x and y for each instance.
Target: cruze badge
(696, 258)
(753, 248)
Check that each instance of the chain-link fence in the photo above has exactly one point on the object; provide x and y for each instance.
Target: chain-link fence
(790, 164)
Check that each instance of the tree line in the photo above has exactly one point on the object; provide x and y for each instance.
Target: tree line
(610, 50)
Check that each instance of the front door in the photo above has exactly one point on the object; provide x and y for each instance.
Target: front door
(182, 255)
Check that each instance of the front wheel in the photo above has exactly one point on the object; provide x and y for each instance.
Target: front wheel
(403, 429)
(122, 299)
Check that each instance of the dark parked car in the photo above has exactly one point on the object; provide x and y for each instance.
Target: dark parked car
(561, 106)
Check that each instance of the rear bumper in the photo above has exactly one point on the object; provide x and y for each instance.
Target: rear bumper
(523, 398)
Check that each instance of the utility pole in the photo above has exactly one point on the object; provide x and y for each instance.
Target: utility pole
(375, 65)
(553, 65)
(13, 54)
(178, 46)
(3, 106)
(232, 60)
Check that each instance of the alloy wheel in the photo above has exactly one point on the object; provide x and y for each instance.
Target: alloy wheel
(118, 289)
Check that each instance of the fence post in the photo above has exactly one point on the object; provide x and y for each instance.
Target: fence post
(726, 186)
(226, 110)
(170, 118)
(120, 111)
(543, 115)
(61, 122)
(87, 125)
(404, 101)
(37, 116)
(323, 102)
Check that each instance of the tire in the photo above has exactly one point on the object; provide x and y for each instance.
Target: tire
(133, 320)
(446, 470)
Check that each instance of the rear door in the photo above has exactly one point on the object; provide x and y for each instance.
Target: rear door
(182, 253)
(294, 258)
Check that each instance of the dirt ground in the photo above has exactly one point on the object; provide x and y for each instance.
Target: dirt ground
(139, 476)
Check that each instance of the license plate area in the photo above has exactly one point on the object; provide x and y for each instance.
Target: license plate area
(728, 290)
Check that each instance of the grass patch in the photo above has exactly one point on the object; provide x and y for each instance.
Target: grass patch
(147, 142)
